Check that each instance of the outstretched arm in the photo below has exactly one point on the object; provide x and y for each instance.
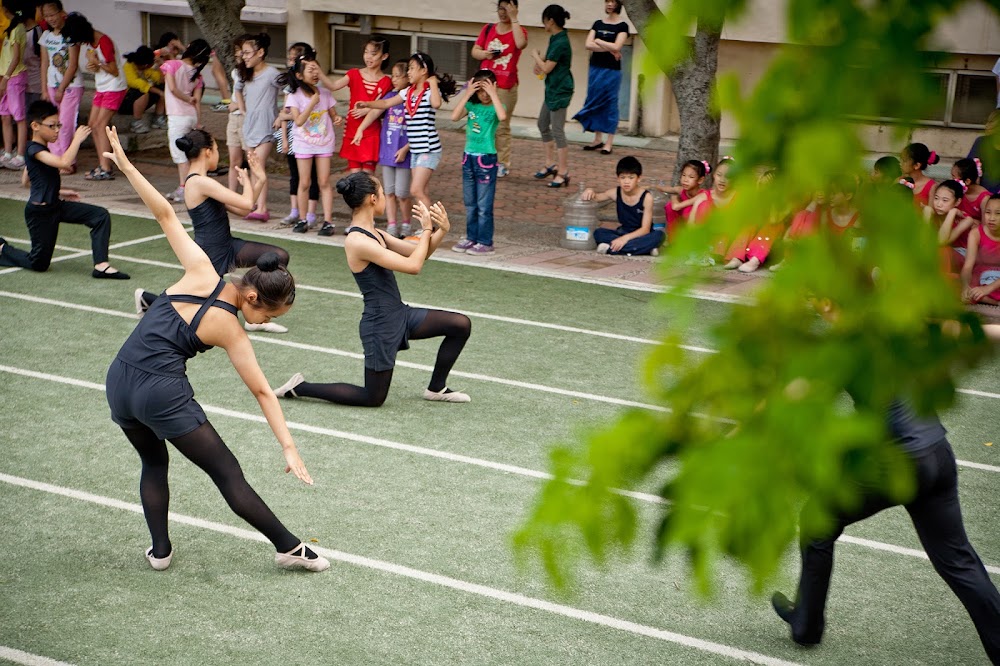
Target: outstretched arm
(192, 257)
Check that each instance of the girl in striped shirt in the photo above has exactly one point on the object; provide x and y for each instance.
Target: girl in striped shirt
(421, 99)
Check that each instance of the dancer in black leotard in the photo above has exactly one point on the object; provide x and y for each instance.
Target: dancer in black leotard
(388, 324)
(209, 202)
(150, 396)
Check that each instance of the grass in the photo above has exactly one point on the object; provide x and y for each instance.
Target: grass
(75, 587)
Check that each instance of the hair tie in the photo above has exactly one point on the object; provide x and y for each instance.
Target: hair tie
(729, 158)
(965, 188)
(708, 168)
(932, 157)
(979, 166)
(903, 181)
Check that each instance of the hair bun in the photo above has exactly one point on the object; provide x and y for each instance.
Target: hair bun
(268, 262)
(345, 186)
(184, 144)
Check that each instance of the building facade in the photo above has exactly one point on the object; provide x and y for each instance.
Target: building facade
(446, 29)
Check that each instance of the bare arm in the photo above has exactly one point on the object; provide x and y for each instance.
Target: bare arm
(300, 117)
(333, 84)
(396, 100)
(591, 42)
(971, 253)
(66, 159)
(192, 257)
(432, 83)
(589, 195)
(459, 111)
(44, 72)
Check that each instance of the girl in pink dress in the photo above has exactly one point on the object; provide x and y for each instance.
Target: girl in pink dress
(683, 197)
(914, 159)
(969, 171)
(952, 225)
(981, 271)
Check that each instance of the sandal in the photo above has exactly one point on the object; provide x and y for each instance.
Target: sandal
(97, 173)
(546, 172)
(105, 275)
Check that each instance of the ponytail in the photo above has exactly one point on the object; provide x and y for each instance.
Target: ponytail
(446, 84)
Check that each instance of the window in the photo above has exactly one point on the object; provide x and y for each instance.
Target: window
(452, 55)
(349, 44)
(975, 98)
(959, 98)
(187, 31)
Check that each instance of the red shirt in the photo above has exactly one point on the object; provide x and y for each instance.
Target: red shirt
(504, 66)
(362, 89)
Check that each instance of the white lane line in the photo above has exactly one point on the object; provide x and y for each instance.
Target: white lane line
(339, 352)
(512, 598)
(470, 313)
(78, 252)
(26, 658)
(443, 455)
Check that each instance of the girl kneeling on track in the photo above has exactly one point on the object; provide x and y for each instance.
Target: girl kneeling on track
(150, 396)
(388, 324)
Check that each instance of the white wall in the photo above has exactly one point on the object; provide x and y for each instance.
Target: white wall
(124, 26)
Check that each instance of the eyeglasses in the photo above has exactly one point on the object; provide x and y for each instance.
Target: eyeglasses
(54, 126)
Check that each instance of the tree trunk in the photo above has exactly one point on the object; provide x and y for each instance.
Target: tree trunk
(219, 21)
(692, 82)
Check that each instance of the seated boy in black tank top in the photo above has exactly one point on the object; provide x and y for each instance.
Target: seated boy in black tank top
(635, 235)
(45, 210)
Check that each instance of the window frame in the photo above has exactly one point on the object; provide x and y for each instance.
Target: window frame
(949, 106)
(413, 38)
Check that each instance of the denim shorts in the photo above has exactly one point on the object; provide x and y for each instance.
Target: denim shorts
(426, 160)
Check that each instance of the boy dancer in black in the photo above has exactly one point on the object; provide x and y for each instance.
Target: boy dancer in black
(45, 210)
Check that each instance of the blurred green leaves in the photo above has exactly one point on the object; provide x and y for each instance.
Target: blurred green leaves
(758, 427)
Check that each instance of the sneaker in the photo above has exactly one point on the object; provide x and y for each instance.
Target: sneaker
(222, 106)
(327, 229)
(502, 171)
(298, 558)
(392, 230)
(445, 395)
(267, 327)
(16, 162)
(291, 219)
(160, 122)
(733, 264)
(462, 245)
(603, 248)
(158, 563)
(141, 305)
(480, 249)
(287, 390)
(750, 266)
(404, 229)
(139, 126)
(655, 252)
(177, 196)
(301, 227)
(5, 160)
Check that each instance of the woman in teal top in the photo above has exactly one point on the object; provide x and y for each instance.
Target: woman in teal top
(555, 67)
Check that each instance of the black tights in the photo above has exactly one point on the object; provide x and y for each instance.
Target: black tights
(204, 448)
(455, 328)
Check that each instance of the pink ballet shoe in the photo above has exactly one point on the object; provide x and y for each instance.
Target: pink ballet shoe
(258, 216)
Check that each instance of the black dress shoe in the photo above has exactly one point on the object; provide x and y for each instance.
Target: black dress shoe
(786, 611)
(594, 146)
(605, 151)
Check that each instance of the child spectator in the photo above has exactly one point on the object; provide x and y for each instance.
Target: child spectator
(13, 83)
(952, 225)
(683, 196)
(314, 116)
(260, 95)
(32, 56)
(184, 88)
(109, 81)
(62, 76)
(914, 159)
(145, 89)
(284, 145)
(635, 234)
(394, 157)
(969, 172)
(45, 209)
(427, 91)
(481, 103)
(886, 170)
(234, 124)
(365, 85)
(981, 270)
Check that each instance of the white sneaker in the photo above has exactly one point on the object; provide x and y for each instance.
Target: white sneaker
(750, 266)
(733, 264)
(404, 230)
(268, 327)
(655, 252)
(159, 563)
(444, 395)
(16, 162)
(293, 560)
(392, 230)
(287, 390)
(140, 126)
(603, 248)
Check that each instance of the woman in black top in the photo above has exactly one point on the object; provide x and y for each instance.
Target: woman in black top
(600, 111)
(152, 401)
(388, 324)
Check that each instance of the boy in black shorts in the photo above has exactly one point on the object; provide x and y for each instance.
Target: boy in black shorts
(45, 210)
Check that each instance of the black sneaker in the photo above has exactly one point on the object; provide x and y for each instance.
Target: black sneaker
(785, 609)
(327, 229)
(300, 227)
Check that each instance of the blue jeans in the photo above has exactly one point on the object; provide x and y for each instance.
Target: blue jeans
(479, 188)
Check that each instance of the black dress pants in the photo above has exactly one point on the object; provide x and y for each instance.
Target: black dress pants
(43, 229)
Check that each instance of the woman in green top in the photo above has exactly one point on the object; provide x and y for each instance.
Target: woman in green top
(555, 68)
